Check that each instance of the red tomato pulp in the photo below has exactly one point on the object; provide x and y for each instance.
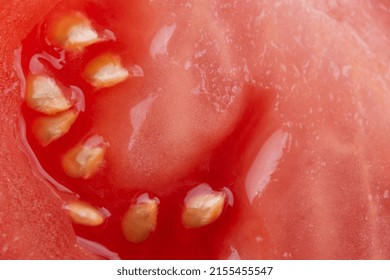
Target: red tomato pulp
(289, 113)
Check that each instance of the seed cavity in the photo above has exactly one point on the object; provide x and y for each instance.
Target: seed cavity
(44, 95)
(84, 160)
(73, 31)
(202, 206)
(105, 70)
(50, 128)
(84, 214)
(140, 220)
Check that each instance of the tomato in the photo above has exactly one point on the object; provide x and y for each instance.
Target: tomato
(279, 121)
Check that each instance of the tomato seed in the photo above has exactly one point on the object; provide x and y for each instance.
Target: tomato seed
(44, 95)
(202, 206)
(73, 31)
(50, 128)
(105, 70)
(140, 220)
(84, 160)
(84, 214)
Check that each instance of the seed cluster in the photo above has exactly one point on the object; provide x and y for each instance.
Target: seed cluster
(45, 94)
(58, 107)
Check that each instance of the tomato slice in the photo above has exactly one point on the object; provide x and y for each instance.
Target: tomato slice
(284, 118)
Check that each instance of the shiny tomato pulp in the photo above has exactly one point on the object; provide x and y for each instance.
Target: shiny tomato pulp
(284, 115)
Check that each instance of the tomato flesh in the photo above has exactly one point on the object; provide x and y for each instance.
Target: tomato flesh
(313, 183)
(277, 108)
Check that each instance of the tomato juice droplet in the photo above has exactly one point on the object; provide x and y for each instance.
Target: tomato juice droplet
(131, 122)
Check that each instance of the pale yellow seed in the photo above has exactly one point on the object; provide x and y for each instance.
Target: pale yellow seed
(140, 221)
(50, 128)
(84, 214)
(203, 209)
(73, 31)
(83, 161)
(45, 96)
(104, 71)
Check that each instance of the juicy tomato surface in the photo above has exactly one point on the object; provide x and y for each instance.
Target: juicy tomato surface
(279, 109)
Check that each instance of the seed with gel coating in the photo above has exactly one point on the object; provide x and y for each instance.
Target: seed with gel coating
(84, 214)
(45, 96)
(50, 128)
(105, 70)
(140, 220)
(73, 31)
(202, 206)
(84, 160)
